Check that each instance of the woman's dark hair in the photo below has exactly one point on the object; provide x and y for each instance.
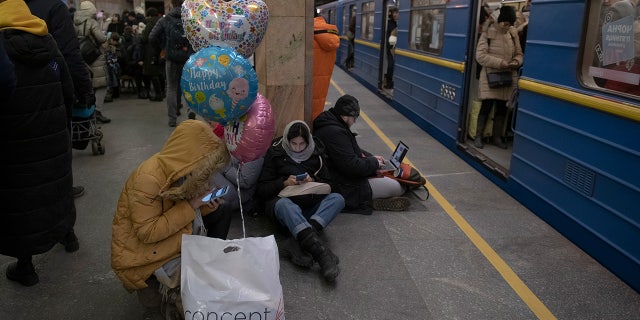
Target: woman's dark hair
(152, 12)
(298, 130)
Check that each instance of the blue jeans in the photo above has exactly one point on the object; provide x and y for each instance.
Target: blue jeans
(293, 217)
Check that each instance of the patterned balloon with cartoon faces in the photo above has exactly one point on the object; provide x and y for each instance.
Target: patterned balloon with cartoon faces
(219, 84)
(238, 24)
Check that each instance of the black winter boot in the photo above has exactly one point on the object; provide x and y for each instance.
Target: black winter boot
(70, 242)
(482, 121)
(498, 123)
(328, 261)
(23, 272)
(290, 249)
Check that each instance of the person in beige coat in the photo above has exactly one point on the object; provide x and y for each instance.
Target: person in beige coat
(161, 201)
(498, 50)
(85, 24)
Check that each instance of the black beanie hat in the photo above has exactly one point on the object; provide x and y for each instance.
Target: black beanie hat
(508, 14)
(347, 105)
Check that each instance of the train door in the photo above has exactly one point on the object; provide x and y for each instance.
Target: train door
(350, 21)
(478, 138)
(387, 44)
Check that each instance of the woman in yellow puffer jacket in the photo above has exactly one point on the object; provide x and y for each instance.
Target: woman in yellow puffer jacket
(161, 201)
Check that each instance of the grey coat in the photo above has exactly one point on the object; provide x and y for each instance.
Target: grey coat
(98, 68)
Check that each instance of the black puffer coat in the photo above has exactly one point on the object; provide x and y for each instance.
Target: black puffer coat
(278, 166)
(350, 166)
(60, 24)
(37, 205)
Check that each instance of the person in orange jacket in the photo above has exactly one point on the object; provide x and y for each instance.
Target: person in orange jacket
(325, 45)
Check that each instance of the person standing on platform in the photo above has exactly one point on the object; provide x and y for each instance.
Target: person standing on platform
(391, 40)
(325, 45)
(498, 50)
(85, 24)
(60, 24)
(349, 63)
(38, 209)
(168, 34)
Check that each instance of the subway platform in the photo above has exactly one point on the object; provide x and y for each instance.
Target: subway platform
(468, 252)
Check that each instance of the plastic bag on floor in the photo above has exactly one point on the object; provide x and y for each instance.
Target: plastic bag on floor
(237, 278)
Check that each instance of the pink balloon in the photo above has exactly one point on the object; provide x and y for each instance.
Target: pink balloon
(249, 137)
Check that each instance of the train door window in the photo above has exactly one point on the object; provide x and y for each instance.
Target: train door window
(367, 20)
(427, 25)
(329, 16)
(349, 22)
(611, 47)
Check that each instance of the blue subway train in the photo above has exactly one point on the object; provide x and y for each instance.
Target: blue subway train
(573, 129)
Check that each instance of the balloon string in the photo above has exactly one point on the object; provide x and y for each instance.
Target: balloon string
(244, 233)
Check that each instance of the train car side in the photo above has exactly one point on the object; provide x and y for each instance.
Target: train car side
(573, 154)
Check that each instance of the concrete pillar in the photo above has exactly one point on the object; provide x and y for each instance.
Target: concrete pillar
(284, 61)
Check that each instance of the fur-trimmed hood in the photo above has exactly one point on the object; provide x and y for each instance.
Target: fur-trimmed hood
(188, 163)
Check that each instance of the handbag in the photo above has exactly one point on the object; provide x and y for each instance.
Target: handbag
(499, 79)
(239, 278)
(305, 189)
(88, 48)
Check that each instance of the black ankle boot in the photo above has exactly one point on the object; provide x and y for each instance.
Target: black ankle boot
(290, 249)
(23, 272)
(326, 259)
(70, 242)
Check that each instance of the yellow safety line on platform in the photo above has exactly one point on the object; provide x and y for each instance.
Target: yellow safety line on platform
(532, 301)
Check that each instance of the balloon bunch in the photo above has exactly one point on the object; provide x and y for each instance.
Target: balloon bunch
(218, 82)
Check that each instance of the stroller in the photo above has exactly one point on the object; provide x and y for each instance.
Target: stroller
(84, 130)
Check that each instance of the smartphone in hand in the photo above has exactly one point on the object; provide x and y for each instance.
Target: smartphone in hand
(301, 177)
(216, 194)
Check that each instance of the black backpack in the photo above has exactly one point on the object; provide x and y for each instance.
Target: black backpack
(178, 48)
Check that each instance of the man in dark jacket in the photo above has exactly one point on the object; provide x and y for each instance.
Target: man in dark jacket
(177, 51)
(38, 209)
(352, 167)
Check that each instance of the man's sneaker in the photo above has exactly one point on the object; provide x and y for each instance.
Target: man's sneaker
(77, 191)
(70, 242)
(391, 204)
(26, 275)
(100, 118)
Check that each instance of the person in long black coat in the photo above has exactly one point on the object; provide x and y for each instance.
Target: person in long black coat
(38, 209)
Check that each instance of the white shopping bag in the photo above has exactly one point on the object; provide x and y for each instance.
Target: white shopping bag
(237, 278)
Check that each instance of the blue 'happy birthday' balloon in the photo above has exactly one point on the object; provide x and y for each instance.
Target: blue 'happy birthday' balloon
(219, 84)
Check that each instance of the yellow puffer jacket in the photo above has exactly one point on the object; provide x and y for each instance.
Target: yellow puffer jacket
(153, 210)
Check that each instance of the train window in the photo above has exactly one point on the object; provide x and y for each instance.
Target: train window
(611, 52)
(366, 20)
(329, 16)
(427, 25)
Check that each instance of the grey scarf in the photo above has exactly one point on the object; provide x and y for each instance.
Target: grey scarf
(297, 156)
